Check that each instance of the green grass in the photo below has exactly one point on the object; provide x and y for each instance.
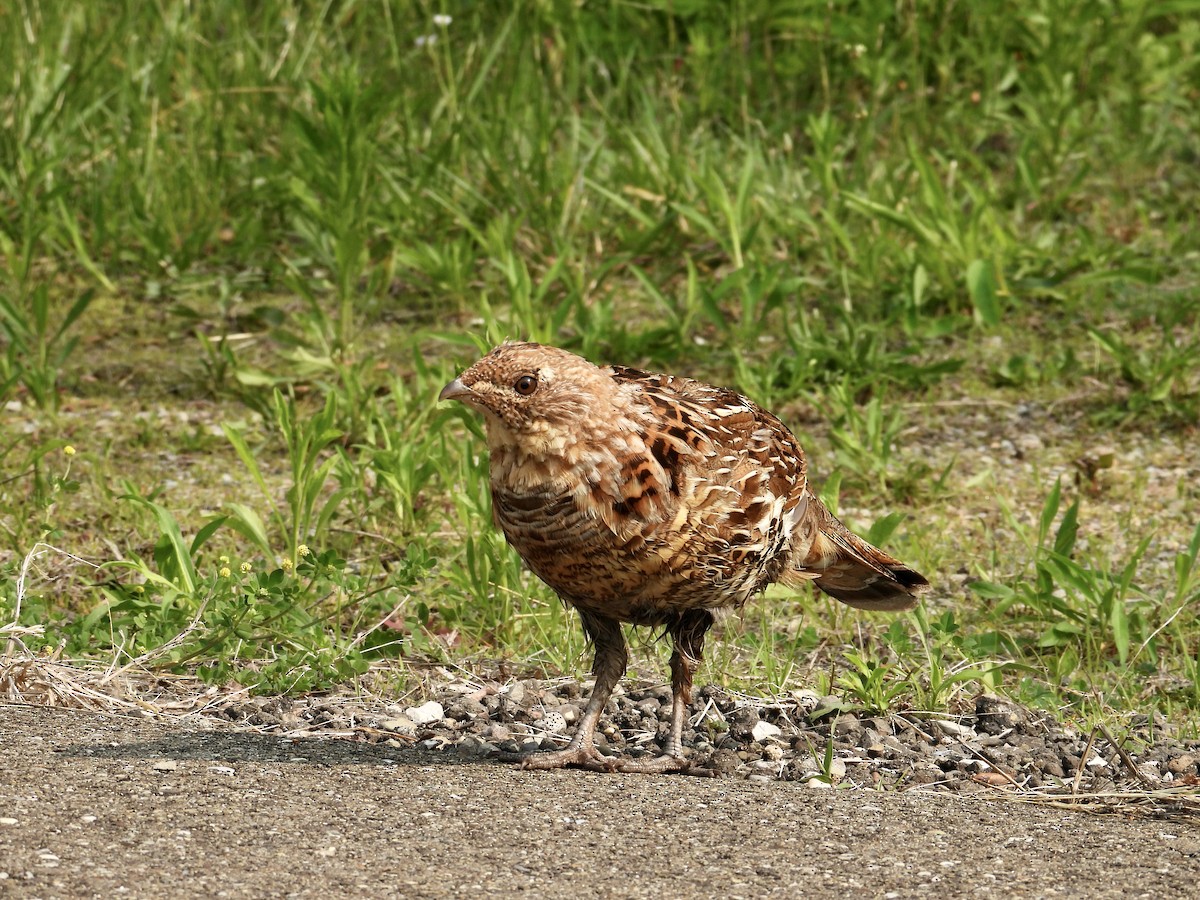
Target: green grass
(243, 247)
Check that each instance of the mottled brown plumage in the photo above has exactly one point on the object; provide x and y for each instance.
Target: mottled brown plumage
(656, 500)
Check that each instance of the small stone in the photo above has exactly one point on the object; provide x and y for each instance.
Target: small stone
(803, 766)
(165, 765)
(399, 725)
(648, 707)
(426, 713)
(847, 726)
(1028, 442)
(1149, 771)
(954, 729)
(466, 709)
(997, 715)
(878, 724)
(570, 690)
(724, 762)
(554, 722)
(897, 749)
(470, 745)
(742, 721)
(763, 730)
(498, 732)
(515, 693)
(1182, 764)
(925, 775)
(759, 778)
(8, 820)
(869, 737)
(1050, 765)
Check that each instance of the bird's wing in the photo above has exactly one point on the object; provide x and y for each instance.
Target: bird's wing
(735, 476)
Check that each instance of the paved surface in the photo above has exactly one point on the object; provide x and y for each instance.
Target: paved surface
(102, 806)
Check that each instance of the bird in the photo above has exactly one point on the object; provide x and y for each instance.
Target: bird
(660, 501)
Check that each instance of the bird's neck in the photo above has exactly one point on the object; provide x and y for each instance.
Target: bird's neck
(557, 458)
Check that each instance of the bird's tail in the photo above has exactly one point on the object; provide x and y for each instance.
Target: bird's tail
(849, 569)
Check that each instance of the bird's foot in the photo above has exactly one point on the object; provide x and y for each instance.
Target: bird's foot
(580, 757)
(663, 765)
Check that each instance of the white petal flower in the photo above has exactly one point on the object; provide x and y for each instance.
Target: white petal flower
(442, 21)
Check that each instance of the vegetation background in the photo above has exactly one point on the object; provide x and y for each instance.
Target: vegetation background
(954, 245)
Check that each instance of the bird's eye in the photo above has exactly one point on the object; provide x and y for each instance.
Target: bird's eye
(526, 385)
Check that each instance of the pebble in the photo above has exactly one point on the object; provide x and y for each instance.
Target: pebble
(470, 745)
(426, 713)
(997, 715)
(763, 730)
(1182, 764)
(165, 765)
(953, 729)
(498, 732)
(649, 707)
(465, 710)
(400, 725)
(724, 762)
(847, 725)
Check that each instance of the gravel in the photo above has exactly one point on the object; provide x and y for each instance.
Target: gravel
(802, 737)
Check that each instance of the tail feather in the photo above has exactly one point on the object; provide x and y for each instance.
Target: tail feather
(858, 574)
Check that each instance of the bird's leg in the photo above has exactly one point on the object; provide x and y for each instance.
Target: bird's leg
(610, 663)
(688, 634)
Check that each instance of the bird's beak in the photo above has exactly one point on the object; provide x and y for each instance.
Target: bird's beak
(454, 391)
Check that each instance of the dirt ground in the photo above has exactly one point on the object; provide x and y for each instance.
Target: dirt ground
(106, 806)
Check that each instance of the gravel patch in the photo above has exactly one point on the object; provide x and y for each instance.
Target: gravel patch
(802, 738)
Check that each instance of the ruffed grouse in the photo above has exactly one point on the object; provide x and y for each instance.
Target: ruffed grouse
(655, 500)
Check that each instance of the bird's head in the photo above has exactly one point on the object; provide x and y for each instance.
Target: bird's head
(531, 395)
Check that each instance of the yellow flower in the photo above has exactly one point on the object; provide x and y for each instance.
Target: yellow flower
(246, 567)
(224, 572)
(69, 450)
(303, 550)
(285, 564)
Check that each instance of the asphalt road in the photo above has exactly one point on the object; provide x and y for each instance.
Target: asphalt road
(105, 806)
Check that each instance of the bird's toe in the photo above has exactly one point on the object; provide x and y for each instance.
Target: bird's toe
(663, 765)
(577, 757)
